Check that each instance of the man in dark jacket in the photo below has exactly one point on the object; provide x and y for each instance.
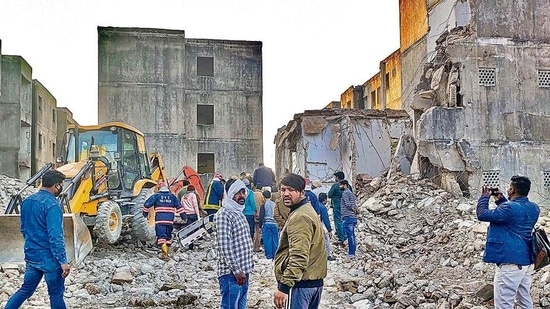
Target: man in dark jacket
(263, 177)
(335, 195)
(214, 196)
(166, 205)
(509, 241)
(45, 254)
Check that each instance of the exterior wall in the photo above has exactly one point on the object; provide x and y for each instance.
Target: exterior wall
(392, 66)
(64, 119)
(148, 78)
(444, 16)
(16, 115)
(44, 130)
(385, 84)
(412, 63)
(413, 22)
(372, 94)
(352, 97)
(531, 20)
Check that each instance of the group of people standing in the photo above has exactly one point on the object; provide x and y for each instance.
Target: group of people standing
(295, 229)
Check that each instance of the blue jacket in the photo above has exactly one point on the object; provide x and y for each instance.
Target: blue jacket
(314, 201)
(249, 204)
(166, 205)
(324, 216)
(42, 228)
(214, 195)
(509, 234)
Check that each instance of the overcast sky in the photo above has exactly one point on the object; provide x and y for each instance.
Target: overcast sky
(312, 50)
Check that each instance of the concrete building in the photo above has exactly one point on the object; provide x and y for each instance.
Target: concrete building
(317, 143)
(198, 101)
(478, 86)
(16, 115)
(44, 127)
(383, 90)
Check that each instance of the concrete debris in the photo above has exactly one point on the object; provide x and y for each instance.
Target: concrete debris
(10, 186)
(418, 247)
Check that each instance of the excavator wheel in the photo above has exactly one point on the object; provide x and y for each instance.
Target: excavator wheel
(108, 223)
(143, 228)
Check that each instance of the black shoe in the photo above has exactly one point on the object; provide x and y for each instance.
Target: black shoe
(330, 258)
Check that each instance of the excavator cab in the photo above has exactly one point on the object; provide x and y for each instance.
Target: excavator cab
(109, 176)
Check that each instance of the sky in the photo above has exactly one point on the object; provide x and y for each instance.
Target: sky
(312, 50)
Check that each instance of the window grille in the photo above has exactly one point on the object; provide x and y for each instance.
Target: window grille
(491, 179)
(546, 179)
(487, 77)
(544, 78)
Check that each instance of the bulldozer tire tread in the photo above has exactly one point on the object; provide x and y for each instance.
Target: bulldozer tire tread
(140, 225)
(103, 230)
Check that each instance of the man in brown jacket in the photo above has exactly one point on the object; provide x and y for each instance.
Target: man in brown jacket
(300, 261)
(280, 213)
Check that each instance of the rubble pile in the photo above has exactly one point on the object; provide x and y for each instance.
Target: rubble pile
(10, 186)
(418, 247)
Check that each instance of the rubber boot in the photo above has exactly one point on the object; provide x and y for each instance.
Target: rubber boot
(164, 249)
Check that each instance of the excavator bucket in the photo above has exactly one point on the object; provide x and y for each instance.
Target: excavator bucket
(78, 240)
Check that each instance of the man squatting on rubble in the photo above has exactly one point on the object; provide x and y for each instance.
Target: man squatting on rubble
(234, 247)
(300, 261)
(45, 254)
(166, 205)
(509, 242)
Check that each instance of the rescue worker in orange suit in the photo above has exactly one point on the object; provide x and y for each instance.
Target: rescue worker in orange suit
(166, 205)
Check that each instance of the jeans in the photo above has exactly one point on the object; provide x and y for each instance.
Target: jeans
(340, 233)
(349, 228)
(233, 295)
(270, 233)
(190, 219)
(304, 298)
(512, 284)
(51, 271)
(327, 244)
(251, 224)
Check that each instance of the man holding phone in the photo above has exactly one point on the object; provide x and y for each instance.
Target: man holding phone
(509, 241)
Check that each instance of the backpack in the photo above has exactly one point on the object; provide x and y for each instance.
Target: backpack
(540, 248)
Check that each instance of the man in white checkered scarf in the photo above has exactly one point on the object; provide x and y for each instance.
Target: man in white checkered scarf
(235, 247)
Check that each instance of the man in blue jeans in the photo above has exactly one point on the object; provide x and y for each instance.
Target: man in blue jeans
(349, 216)
(45, 254)
(234, 247)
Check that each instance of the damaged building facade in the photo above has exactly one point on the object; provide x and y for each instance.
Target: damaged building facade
(477, 84)
(318, 143)
(198, 101)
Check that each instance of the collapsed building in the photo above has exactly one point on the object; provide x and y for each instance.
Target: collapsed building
(318, 143)
(480, 100)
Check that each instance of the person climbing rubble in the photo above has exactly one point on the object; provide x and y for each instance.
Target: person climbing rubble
(166, 205)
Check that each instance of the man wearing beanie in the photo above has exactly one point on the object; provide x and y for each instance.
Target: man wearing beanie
(300, 261)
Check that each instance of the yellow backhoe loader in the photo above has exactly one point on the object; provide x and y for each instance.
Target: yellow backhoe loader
(109, 176)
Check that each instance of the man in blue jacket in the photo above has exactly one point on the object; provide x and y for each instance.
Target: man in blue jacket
(509, 241)
(166, 205)
(45, 254)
